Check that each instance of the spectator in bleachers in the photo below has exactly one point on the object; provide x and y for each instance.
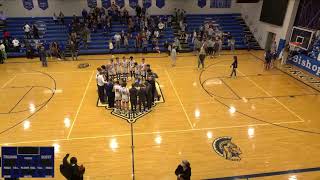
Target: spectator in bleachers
(27, 30)
(138, 10)
(156, 34)
(177, 44)
(161, 26)
(110, 46)
(16, 44)
(35, 32)
(126, 42)
(232, 44)
(84, 14)
(3, 18)
(6, 34)
(117, 38)
(145, 44)
(54, 50)
(61, 17)
(55, 18)
(138, 41)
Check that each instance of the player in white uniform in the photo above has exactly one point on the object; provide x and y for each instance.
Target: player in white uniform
(118, 68)
(111, 69)
(137, 70)
(117, 90)
(125, 98)
(142, 69)
(125, 68)
(131, 67)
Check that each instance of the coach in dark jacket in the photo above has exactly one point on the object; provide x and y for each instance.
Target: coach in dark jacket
(183, 171)
(71, 171)
(133, 98)
(110, 94)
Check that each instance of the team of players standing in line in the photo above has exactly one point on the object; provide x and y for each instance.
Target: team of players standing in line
(112, 85)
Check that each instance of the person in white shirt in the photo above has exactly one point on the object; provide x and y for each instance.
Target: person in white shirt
(117, 38)
(161, 26)
(156, 34)
(131, 67)
(3, 50)
(173, 56)
(55, 18)
(125, 98)
(117, 90)
(110, 46)
(125, 67)
(16, 44)
(101, 85)
(27, 30)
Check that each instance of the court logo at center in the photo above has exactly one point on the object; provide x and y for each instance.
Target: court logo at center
(224, 147)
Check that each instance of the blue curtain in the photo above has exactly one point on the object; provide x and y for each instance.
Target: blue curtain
(120, 3)
(147, 3)
(43, 4)
(106, 3)
(28, 4)
(220, 4)
(133, 3)
(160, 3)
(202, 3)
(92, 3)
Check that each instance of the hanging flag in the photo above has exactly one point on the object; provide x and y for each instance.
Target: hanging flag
(92, 3)
(106, 3)
(220, 4)
(160, 3)
(133, 3)
(28, 4)
(43, 4)
(120, 3)
(202, 3)
(147, 3)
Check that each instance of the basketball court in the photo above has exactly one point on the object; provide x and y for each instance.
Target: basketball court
(269, 115)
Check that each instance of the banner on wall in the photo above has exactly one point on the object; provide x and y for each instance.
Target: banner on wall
(106, 3)
(220, 4)
(28, 4)
(160, 3)
(133, 3)
(120, 3)
(92, 3)
(202, 3)
(43, 4)
(147, 3)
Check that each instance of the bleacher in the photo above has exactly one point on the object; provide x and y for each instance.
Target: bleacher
(232, 23)
(50, 32)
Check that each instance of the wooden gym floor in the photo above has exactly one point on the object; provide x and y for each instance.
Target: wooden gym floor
(272, 117)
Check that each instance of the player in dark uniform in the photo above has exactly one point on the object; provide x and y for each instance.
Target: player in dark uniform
(133, 98)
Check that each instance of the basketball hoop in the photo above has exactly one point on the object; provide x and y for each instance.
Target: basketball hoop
(294, 45)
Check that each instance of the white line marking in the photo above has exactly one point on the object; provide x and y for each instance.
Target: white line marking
(9, 81)
(175, 91)
(150, 133)
(80, 105)
(265, 91)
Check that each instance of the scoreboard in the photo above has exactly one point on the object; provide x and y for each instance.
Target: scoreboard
(28, 162)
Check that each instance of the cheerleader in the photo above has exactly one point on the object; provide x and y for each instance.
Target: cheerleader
(117, 90)
(125, 98)
(131, 67)
(125, 65)
(142, 69)
(118, 68)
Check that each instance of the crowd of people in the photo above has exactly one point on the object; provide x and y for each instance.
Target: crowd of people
(112, 82)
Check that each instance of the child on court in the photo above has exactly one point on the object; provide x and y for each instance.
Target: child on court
(234, 66)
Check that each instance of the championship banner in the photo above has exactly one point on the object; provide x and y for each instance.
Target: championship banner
(106, 3)
(220, 3)
(147, 3)
(120, 3)
(92, 3)
(133, 3)
(202, 3)
(43, 4)
(28, 4)
(160, 3)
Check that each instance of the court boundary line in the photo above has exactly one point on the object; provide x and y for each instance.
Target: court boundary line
(153, 132)
(266, 174)
(175, 91)
(267, 93)
(9, 81)
(80, 104)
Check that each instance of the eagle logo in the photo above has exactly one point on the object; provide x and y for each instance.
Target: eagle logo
(224, 147)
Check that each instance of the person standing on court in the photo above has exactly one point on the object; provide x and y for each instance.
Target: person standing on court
(173, 55)
(43, 56)
(101, 86)
(133, 98)
(234, 66)
(202, 56)
(183, 171)
(110, 93)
